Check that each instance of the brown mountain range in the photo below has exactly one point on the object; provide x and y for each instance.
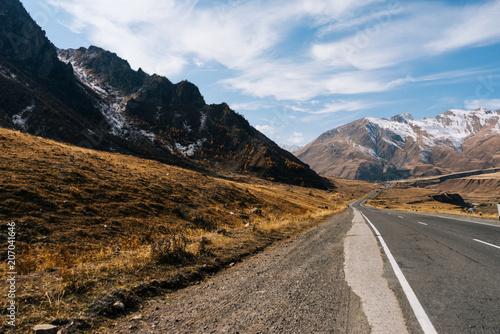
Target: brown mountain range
(402, 146)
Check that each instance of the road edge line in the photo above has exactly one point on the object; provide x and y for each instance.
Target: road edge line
(423, 319)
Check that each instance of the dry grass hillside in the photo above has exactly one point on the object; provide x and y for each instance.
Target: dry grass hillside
(476, 188)
(94, 228)
(407, 198)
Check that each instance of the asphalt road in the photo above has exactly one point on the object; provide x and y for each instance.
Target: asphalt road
(452, 265)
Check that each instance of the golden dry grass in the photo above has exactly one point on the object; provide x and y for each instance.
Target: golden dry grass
(494, 176)
(481, 188)
(87, 220)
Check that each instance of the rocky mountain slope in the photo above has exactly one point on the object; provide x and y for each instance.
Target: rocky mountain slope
(92, 98)
(402, 146)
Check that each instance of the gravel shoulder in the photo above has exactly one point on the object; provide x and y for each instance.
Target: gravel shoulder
(298, 286)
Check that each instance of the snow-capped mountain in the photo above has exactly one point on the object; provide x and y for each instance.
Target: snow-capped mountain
(402, 146)
(290, 147)
(91, 97)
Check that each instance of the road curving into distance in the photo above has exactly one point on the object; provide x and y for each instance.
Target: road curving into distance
(336, 278)
(451, 264)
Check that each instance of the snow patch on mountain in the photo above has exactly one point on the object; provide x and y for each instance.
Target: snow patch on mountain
(21, 118)
(366, 150)
(425, 154)
(191, 149)
(290, 147)
(404, 130)
(393, 143)
(148, 135)
(101, 88)
(115, 118)
(496, 128)
(113, 102)
(453, 126)
(120, 126)
(5, 73)
(203, 120)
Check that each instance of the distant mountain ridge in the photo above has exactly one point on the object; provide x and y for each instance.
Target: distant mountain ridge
(402, 146)
(91, 97)
(290, 147)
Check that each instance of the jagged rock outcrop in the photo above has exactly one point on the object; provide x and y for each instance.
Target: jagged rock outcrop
(105, 68)
(23, 43)
(454, 199)
(36, 88)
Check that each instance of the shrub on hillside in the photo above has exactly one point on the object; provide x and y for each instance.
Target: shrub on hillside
(170, 250)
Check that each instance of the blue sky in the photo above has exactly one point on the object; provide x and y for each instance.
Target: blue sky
(296, 68)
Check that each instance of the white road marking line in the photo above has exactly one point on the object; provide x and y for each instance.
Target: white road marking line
(401, 217)
(462, 220)
(422, 317)
(422, 223)
(487, 243)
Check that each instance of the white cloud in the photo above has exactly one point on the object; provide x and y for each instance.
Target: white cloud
(297, 108)
(302, 82)
(297, 138)
(163, 35)
(265, 129)
(355, 46)
(341, 105)
(410, 32)
(284, 81)
(198, 62)
(493, 104)
(472, 26)
(254, 105)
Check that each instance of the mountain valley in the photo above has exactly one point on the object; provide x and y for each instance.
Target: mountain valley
(121, 190)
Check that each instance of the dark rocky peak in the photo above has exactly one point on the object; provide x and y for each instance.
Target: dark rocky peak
(23, 43)
(147, 92)
(159, 92)
(187, 94)
(164, 104)
(402, 118)
(105, 67)
(43, 78)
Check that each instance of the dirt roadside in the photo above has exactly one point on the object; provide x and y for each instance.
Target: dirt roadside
(297, 287)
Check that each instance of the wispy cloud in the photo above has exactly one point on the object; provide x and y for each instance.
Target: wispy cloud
(253, 105)
(164, 36)
(473, 25)
(297, 138)
(493, 104)
(265, 129)
(333, 48)
(412, 31)
(337, 106)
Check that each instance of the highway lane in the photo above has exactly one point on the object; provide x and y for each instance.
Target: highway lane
(453, 266)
